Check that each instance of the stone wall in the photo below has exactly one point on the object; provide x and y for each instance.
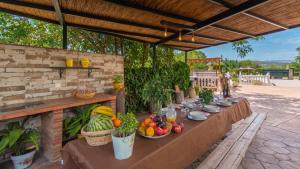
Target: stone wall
(26, 74)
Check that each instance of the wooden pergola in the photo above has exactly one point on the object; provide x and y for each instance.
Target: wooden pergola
(184, 25)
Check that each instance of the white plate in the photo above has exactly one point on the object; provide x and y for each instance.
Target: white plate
(224, 103)
(211, 109)
(197, 119)
(233, 100)
(197, 114)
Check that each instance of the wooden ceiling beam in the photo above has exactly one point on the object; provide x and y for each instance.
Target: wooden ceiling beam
(249, 13)
(217, 18)
(163, 13)
(58, 12)
(103, 18)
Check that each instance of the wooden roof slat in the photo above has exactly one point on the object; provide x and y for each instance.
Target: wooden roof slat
(163, 13)
(234, 31)
(249, 13)
(86, 15)
(217, 18)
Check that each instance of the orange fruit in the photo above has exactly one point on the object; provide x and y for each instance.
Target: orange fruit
(117, 122)
(143, 124)
(152, 124)
(150, 131)
(147, 121)
(113, 117)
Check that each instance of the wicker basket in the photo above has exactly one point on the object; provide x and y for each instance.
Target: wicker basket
(97, 138)
(84, 95)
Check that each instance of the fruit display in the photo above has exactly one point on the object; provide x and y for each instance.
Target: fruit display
(99, 128)
(154, 127)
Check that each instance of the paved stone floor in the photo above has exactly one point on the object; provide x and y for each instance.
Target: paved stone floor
(277, 143)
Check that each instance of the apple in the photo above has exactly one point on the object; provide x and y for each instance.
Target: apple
(165, 131)
(159, 131)
(177, 129)
(181, 125)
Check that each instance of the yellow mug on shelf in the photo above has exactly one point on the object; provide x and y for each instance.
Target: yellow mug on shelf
(69, 62)
(85, 62)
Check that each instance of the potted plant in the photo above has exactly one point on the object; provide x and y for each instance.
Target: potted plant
(21, 141)
(155, 93)
(123, 136)
(118, 82)
(179, 95)
(191, 90)
(206, 95)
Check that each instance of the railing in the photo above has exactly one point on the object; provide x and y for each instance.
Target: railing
(251, 79)
(204, 73)
(208, 82)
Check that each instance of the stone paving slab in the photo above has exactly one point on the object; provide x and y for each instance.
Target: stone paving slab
(277, 143)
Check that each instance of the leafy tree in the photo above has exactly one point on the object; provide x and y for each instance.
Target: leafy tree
(196, 54)
(296, 63)
(23, 31)
(243, 47)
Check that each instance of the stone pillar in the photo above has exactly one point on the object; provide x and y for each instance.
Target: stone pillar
(113, 105)
(52, 126)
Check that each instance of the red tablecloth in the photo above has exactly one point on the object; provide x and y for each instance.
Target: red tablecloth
(175, 151)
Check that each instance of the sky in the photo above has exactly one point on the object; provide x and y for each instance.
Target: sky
(277, 46)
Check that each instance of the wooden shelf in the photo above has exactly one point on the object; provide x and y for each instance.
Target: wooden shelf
(62, 69)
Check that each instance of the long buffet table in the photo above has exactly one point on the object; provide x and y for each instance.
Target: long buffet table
(175, 151)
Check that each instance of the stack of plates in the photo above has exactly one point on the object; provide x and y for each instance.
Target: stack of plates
(225, 103)
(197, 115)
(233, 99)
(211, 109)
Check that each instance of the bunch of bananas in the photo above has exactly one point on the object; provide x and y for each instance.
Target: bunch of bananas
(105, 110)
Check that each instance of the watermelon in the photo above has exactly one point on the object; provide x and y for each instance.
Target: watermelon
(99, 123)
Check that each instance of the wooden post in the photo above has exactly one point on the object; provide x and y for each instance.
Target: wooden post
(65, 36)
(185, 56)
(122, 48)
(154, 58)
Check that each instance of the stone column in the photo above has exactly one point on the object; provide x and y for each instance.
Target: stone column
(52, 126)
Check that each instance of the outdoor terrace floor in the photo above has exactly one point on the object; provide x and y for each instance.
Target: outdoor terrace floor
(277, 144)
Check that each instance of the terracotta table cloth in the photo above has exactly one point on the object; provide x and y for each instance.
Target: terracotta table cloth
(175, 151)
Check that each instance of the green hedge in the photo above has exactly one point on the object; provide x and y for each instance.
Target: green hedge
(135, 78)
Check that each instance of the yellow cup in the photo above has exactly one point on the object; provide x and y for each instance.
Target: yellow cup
(85, 62)
(69, 62)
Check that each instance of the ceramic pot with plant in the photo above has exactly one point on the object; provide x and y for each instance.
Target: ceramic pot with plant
(155, 94)
(123, 136)
(118, 82)
(179, 95)
(191, 90)
(22, 142)
(206, 95)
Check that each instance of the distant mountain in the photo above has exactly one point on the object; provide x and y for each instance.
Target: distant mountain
(273, 62)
